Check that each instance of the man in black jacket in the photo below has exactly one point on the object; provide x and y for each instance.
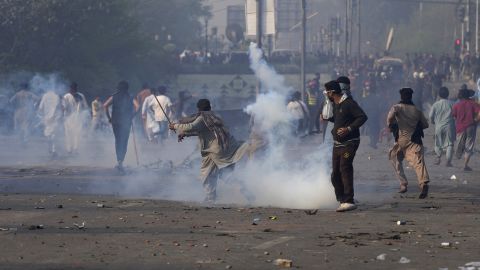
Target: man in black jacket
(347, 118)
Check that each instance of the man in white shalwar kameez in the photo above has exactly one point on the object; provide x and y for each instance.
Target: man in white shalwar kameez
(156, 118)
(441, 116)
(75, 111)
(50, 111)
(24, 102)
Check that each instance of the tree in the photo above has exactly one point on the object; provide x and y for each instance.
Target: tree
(96, 42)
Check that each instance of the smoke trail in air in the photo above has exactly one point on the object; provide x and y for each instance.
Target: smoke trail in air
(284, 175)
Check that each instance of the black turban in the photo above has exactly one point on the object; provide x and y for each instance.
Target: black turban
(203, 105)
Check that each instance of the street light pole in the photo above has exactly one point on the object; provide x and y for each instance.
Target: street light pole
(206, 37)
(302, 59)
(346, 38)
(476, 28)
(259, 37)
(359, 52)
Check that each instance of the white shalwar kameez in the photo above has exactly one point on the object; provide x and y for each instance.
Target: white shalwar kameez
(76, 114)
(50, 111)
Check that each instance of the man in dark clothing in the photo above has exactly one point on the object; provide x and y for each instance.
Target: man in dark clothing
(344, 82)
(124, 107)
(347, 118)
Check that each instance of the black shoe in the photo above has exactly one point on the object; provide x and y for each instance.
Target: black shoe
(424, 192)
(449, 164)
(437, 161)
(467, 169)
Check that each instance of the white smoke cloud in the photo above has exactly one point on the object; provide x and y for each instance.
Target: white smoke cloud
(286, 176)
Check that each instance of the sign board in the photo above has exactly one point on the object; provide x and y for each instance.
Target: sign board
(268, 17)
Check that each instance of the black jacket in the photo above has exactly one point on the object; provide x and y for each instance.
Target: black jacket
(347, 114)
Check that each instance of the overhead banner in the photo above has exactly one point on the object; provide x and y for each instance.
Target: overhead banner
(268, 17)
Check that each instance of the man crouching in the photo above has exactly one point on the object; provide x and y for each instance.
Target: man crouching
(220, 151)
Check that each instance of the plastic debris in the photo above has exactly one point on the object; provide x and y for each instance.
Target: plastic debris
(404, 260)
(446, 244)
(256, 221)
(7, 229)
(80, 226)
(100, 205)
(453, 177)
(228, 267)
(401, 222)
(382, 257)
(311, 212)
(273, 217)
(475, 264)
(283, 263)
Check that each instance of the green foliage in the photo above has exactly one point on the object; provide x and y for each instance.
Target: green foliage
(96, 42)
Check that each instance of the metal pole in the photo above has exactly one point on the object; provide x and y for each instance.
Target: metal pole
(359, 32)
(259, 36)
(302, 60)
(463, 37)
(259, 23)
(476, 28)
(467, 28)
(206, 37)
(346, 39)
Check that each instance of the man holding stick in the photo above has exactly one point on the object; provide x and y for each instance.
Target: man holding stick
(124, 107)
(220, 151)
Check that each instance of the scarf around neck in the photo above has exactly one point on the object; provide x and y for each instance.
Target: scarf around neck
(214, 124)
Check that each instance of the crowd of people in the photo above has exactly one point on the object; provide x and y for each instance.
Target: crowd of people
(154, 113)
(69, 116)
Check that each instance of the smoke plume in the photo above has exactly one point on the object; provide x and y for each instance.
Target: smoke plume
(288, 175)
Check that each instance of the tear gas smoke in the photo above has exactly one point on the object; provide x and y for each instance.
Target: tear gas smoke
(284, 177)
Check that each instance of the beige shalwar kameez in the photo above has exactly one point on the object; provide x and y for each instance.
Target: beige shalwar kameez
(407, 117)
(214, 157)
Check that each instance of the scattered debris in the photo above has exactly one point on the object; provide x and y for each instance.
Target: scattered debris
(474, 264)
(256, 221)
(401, 222)
(267, 230)
(39, 207)
(35, 227)
(7, 229)
(311, 212)
(273, 217)
(100, 205)
(283, 263)
(266, 253)
(453, 177)
(446, 244)
(205, 245)
(59, 206)
(80, 226)
(228, 267)
(404, 260)
(382, 257)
